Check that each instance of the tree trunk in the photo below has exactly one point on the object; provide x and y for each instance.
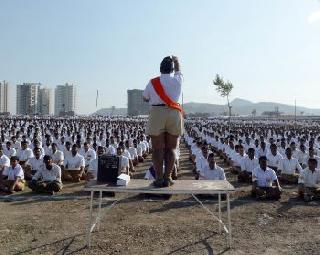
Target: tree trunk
(229, 108)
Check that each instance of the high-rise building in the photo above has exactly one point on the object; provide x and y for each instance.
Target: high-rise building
(4, 94)
(45, 101)
(136, 105)
(65, 99)
(28, 98)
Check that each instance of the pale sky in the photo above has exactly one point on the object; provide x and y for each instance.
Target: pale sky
(269, 49)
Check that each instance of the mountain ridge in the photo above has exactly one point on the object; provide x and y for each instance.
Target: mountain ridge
(239, 107)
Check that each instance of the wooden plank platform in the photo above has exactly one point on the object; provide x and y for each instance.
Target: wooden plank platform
(180, 187)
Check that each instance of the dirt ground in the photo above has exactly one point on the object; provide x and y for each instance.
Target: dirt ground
(33, 224)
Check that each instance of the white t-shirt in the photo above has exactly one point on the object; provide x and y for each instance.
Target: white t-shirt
(264, 178)
(93, 168)
(9, 152)
(274, 161)
(4, 161)
(13, 173)
(26, 154)
(133, 152)
(111, 150)
(48, 175)
(74, 162)
(289, 166)
(88, 155)
(35, 163)
(124, 163)
(212, 174)
(57, 157)
(309, 178)
(248, 164)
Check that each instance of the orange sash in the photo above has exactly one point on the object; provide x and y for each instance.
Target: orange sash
(163, 96)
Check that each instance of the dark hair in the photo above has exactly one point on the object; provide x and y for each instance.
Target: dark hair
(14, 158)
(251, 150)
(211, 155)
(313, 160)
(262, 158)
(166, 66)
(47, 157)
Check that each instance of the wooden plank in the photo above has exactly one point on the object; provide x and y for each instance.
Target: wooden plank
(180, 187)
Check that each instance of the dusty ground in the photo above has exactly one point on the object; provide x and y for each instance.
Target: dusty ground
(56, 225)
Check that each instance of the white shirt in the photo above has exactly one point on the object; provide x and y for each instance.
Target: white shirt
(212, 174)
(48, 175)
(111, 150)
(26, 154)
(57, 157)
(289, 166)
(4, 161)
(124, 163)
(127, 154)
(93, 168)
(264, 178)
(74, 162)
(309, 178)
(133, 152)
(9, 152)
(201, 163)
(88, 155)
(248, 164)
(13, 173)
(171, 85)
(274, 161)
(35, 163)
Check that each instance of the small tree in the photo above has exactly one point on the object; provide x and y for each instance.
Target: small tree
(224, 89)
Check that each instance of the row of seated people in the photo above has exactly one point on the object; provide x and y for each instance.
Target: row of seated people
(262, 172)
(45, 174)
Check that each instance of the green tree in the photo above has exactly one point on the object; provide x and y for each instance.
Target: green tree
(224, 88)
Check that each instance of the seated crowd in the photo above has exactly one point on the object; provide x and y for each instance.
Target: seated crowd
(262, 154)
(44, 153)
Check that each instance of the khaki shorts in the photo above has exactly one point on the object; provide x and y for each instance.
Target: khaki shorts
(164, 119)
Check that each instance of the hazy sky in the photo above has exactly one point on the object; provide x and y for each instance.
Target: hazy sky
(269, 49)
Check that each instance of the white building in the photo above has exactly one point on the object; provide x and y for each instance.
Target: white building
(4, 95)
(28, 98)
(65, 99)
(136, 105)
(46, 101)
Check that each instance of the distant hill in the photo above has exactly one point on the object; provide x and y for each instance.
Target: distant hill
(245, 107)
(239, 107)
(111, 111)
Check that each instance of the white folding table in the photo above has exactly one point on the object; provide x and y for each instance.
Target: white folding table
(191, 187)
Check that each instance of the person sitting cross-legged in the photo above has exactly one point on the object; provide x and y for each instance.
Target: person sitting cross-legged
(12, 177)
(211, 171)
(248, 163)
(265, 182)
(309, 181)
(48, 178)
(290, 168)
(74, 164)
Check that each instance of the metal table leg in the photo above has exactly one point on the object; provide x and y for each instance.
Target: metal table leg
(229, 221)
(219, 198)
(99, 212)
(90, 221)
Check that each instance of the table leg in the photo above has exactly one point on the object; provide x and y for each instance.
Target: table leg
(90, 221)
(219, 198)
(99, 212)
(229, 220)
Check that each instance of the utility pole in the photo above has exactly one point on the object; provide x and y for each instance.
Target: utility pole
(182, 100)
(295, 110)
